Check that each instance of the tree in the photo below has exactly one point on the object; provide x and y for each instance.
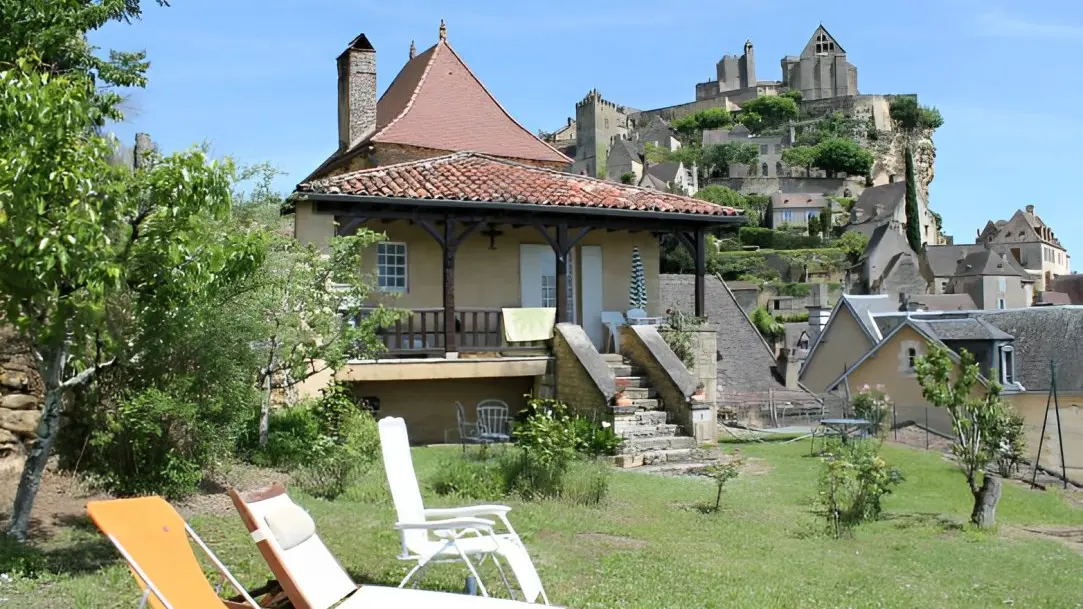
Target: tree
(77, 232)
(800, 156)
(910, 117)
(691, 126)
(979, 423)
(769, 328)
(768, 112)
(627, 177)
(913, 214)
(853, 244)
(724, 195)
(814, 228)
(717, 158)
(826, 221)
(841, 155)
(299, 297)
(793, 94)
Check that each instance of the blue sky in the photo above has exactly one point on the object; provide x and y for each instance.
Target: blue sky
(256, 78)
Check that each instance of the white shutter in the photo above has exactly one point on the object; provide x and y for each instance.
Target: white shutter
(530, 274)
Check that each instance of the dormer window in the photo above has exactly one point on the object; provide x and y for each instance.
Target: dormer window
(911, 356)
(1007, 365)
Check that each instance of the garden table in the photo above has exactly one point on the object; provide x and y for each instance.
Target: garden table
(844, 428)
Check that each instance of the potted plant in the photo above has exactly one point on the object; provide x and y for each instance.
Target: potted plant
(621, 399)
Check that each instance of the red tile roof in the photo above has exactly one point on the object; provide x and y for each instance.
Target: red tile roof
(470, 176)
(437, 102)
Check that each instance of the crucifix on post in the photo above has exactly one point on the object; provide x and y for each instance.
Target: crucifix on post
(696, 242)
(449, 241)
(562, 246)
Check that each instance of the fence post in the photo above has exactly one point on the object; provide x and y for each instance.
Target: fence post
(895, 421)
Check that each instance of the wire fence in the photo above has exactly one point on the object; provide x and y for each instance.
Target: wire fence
(1057, 432)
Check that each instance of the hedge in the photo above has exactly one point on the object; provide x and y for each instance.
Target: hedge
(769, 238)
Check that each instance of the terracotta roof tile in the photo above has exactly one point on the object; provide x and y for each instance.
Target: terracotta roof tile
(437, 102)
(470, 176)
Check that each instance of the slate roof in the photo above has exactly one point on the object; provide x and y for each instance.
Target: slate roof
(746, 364)
(945, 302)
(1043, 334)
(865, 307)
(667, 172)
(989, 263)
(469, 176)
(1072, 285)
(877, 204)
(1054, 298)
(960, 329)
(942, 259)
(798, 200)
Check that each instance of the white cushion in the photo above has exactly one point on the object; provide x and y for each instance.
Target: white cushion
(290, 525)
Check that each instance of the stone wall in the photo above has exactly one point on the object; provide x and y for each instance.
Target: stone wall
(21, 392)
(836, 187)
(583, 380)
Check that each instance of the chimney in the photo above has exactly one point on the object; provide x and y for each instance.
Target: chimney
(356, 92)
(819, 311)
(1030, 209)
(789, 367)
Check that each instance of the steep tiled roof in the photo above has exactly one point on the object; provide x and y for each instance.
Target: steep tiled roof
(943, 259)
(667, 172)
(990, 263)
(960, 329)
(878, 203)
(945, 302)
(746, 363)
(799, 200)
(469, 176)
(437, 102)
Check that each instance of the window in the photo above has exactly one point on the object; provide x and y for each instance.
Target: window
(810, 215)
(1001, 304)
(1002, 284)
(763, 170)
(607, 123)
(1007, 365)
(391, 266)
(778, 168)
(787, 216)
(764, 149)
(911, 356)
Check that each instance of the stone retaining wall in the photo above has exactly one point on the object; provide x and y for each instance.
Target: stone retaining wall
(21, 392)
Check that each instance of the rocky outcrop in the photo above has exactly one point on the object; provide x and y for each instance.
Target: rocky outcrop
(890, 153)
(21, 392)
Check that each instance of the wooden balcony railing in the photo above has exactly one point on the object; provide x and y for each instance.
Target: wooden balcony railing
(421, 333)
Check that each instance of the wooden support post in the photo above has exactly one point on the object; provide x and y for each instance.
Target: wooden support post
(449, 242)
(701, 270)
(562, 246)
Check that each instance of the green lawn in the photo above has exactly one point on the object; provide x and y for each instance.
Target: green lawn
(649, 547)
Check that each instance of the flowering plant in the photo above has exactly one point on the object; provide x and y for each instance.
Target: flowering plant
(874, 405)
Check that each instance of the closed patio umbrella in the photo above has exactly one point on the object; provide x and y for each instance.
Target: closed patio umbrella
(637, 290)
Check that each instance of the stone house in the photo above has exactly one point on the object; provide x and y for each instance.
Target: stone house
(890, 266)
(886, 204)
(1016, 348)
(1031, 242)
(795, 209)
(993, 281)
(503, 262)
(769, 147)
(624, 158)
(671, 176)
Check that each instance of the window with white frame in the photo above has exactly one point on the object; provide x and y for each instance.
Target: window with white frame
(911, 357)
(1007, 365)
(391, 266)
(787, 216)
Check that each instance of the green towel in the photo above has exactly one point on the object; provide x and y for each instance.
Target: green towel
(527, 325)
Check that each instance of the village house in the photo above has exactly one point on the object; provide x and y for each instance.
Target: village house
(1031, 242)
(505, 262)
(795, 209)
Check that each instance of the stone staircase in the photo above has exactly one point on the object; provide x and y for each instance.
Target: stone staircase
(648, 438)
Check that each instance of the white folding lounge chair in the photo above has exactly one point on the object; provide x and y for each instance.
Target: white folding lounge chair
(463, 535)
(308, 573)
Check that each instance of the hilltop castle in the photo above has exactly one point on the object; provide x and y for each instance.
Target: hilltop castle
(821, 72)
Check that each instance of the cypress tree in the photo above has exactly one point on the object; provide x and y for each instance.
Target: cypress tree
(913, 222)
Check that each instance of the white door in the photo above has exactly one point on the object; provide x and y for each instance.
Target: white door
(538, 278)
(590, 294)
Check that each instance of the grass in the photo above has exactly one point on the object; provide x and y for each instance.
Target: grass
(649, 546)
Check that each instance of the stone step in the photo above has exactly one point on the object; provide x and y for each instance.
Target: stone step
(623, 382)
(613, 358)
(643, 445)
(655, 458)
(639, 393)
(637, 418)
(621, 369)
(651, 417)
(646, 404)
(640, 432)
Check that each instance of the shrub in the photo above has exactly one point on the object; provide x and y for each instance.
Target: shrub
(873, 405)
(1009, 453)
(678, 335)
(754, 235)
(594, 440)
(853, 482)
(586, 483)
(468, 479)
(154, 443)
(721, 473)
(328, 443)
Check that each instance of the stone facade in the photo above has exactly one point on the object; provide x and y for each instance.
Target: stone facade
(356, 92)
(822, 71)
(21, 392)
(585, 386)
(598, 122)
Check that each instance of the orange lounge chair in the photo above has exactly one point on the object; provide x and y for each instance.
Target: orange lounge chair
(311, 576)
(154, 540)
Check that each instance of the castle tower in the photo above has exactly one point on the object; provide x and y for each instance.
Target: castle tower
(597, 121)
(822, 71)
(747, 66)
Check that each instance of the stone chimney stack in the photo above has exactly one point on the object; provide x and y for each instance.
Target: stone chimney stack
(819, 311)
(1030, 209)
(789, 368)
(356, 92)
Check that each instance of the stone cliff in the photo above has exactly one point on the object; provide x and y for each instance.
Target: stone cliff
(21, 392)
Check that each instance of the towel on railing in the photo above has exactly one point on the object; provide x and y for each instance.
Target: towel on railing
(529, 324)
